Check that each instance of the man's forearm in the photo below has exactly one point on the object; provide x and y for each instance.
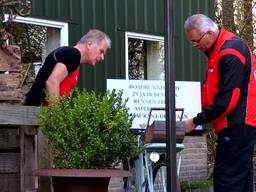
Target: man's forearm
(52, 90)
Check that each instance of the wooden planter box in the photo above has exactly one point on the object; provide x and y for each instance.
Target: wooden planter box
(81, 180)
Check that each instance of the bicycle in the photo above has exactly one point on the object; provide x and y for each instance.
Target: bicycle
(149, 168)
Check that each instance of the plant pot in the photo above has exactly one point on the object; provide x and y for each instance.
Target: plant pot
(81, 180)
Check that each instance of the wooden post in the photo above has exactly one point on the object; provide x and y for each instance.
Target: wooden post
(22, 159)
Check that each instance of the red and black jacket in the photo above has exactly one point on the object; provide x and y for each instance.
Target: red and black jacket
(229, 92)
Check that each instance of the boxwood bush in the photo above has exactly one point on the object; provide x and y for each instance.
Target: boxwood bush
(88, 130)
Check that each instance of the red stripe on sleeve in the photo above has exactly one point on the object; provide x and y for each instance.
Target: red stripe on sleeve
(233, 52)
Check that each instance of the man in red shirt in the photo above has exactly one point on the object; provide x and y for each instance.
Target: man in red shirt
(60, 71)
(228, 102)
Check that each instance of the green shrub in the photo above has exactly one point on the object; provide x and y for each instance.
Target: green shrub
(197, 184)
(89, 130)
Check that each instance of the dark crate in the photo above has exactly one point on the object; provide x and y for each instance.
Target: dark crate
(9, 138)
(9, 163)
(10, 182)
(156, 132)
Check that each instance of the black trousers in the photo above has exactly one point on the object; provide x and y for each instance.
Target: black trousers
(233, 168)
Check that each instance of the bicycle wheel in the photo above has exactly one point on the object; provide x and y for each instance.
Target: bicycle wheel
(160, 176)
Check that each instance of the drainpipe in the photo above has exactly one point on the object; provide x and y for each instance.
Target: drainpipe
(170, 96)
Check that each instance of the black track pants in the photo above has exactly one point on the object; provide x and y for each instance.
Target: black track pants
(233, 168)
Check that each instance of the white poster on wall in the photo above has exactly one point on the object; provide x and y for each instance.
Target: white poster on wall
(148, 97)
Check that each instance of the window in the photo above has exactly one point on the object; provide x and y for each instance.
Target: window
(144, 57)
(52, 35)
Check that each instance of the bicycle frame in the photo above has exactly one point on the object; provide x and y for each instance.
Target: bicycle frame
(142, 165)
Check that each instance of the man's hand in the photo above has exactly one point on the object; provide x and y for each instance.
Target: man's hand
(189, 125)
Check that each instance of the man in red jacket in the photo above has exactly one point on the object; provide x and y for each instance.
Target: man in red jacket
(228, 102)
(60, 71)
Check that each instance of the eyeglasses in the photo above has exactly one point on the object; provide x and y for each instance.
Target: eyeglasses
(198, 40)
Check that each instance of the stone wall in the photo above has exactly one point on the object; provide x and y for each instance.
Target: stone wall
(10, 74)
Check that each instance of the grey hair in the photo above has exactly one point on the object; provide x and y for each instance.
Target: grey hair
(96, 36)
(201, 23)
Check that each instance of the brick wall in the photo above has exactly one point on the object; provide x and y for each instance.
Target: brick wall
(194, 158)
(115, 185)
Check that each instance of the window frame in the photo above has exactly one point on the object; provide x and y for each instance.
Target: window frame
(63, 26)
(137, 36)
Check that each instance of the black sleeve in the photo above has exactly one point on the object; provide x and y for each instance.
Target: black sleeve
(69, 56)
